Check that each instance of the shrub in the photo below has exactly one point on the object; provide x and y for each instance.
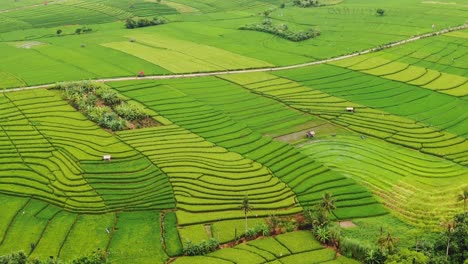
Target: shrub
(87, 97)
(14, 258)
(250, 233)
(112, 121)
(143, 22)
(205, 247)
(306, 3)
(97, 257)
(273, 223)
(355, 249)
(86, 101)
(263, 229)
(407, 256)
(94, 113)
(288, 225)
(130, 111)
(282, 31)
(109, 96)
(322, 234)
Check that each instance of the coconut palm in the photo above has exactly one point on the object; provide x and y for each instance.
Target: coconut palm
(449, 226)
(246, 207)
(387, 242)
(328, 203)
(463, 197)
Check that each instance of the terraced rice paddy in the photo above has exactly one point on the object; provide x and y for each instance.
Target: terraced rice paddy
(408, 182)
(399, 159)
(297, 247)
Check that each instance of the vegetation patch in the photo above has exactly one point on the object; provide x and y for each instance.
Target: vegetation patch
(315, 3)
(105, 106)
(282, 31)
(143, 22)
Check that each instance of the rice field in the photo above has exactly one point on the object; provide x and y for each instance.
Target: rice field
(397, 160)
(307, 178)
(410, 183)
(297, 247)
(191, 37)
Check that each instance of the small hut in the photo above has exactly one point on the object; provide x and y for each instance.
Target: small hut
(107, 157)
(310, 134)
(141, 74)
(350, 109)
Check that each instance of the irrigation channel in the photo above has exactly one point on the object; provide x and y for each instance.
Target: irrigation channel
(269, 69)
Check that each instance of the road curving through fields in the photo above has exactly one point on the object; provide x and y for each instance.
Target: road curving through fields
(262, 69)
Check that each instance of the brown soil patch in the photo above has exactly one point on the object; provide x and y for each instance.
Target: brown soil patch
(347, 224)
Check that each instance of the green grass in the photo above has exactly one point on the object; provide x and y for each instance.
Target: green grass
(367, 230)
(86, 235)
(195, 32)
(16, 238)
(171, 236)
(48, 142)
(134, 239)
(386, 113)
(294, 247)
(172, 54)
(226, 125)
(51, 240)
(217, 142)
(418, 187)
(223, 177)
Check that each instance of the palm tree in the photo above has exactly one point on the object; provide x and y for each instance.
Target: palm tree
(246, 207)
(328, 203)
(387, 242)
(463, 197)
(449, 226)
(266, 14)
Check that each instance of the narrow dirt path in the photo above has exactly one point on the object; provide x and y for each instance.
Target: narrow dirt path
(269, 69)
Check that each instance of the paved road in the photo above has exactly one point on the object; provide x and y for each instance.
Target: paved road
(269, 69)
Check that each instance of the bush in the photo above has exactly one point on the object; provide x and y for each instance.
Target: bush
(282, 31)
(112, 121)
(14, 258)
(306, 3)
(406, 256)
(143, 22)
(98, 257)
(95, 113)
(205, 247)
(87, 97)
(322, 234)
(250, 233)
(130, 111)
(263, 229)
(355, 249)
(108, 95)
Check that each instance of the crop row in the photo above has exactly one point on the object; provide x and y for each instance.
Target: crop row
(397, 69)
(212, 120)
(420, 187)
(56, 14)
(365, 120)
(66, 236)
(207, 178)
(56, 155)
(296, 247)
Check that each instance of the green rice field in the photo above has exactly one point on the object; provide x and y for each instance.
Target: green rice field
(228, 112)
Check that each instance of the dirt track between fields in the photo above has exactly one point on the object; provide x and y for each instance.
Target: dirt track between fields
(269, 69)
